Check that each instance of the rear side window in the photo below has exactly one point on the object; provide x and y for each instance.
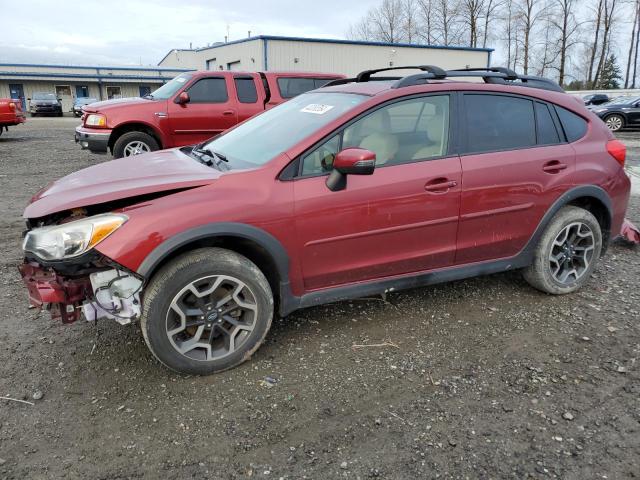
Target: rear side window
(293, 86)
(209, 90)
(574, 125)
(246, 89)
(547, 132)
(497, 122)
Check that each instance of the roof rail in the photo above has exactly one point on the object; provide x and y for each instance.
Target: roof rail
(494, 75)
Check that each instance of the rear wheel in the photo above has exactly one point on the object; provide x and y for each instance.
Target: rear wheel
(206, 311)
(567, 252)
(614, 122)
(134, 143)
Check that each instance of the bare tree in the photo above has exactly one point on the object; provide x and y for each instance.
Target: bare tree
(564, 21)
(470, 13)
(425, 9)
(594, 49)
(490, 14)
(446, 14)
(530, 11)
(634, 33)
(608, 19)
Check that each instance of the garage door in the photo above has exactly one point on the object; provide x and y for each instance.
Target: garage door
(234, 65)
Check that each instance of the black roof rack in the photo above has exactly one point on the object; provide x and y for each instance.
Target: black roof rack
(493, 75)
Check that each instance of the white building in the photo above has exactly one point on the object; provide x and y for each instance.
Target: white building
(263, 53)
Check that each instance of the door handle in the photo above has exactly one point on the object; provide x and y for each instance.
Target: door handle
(440, 185)
(554, 166)
(228, 112)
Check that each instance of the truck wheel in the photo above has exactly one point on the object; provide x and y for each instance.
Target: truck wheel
(567, 252)
(134, 143)
(206, 311)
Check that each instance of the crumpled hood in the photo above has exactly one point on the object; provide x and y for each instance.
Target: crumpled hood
(119, 179)
(106, 104)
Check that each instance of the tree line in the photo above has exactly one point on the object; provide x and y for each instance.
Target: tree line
(579, 43)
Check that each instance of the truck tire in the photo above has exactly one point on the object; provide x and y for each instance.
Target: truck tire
(567, 252)
(206, 311)
(134, 143)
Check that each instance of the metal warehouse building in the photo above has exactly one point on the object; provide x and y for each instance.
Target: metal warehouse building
(320, 55)
(21, 81)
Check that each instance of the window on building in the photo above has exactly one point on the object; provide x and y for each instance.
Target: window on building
(498, 122)
(246, 89)
(113, 92)
(209, 90)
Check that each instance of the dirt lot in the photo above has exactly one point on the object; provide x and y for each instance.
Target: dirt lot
(486, 378)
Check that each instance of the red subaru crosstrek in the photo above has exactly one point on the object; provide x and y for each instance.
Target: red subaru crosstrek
(362, 187)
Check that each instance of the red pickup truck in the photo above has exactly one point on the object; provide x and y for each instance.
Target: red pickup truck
(189, 109)
(11, 113)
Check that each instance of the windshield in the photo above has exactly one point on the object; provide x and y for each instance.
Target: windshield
(44, 96)
(262, 138)
(171, 87)
(623, 101)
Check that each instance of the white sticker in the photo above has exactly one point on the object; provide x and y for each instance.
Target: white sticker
(180, 79)
(317, 108)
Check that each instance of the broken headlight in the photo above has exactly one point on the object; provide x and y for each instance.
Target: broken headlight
(71, 239)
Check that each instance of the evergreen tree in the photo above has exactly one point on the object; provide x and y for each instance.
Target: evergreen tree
(610, 75)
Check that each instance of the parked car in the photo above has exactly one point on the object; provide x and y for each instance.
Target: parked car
(596, 99)
(45, 103)
(81, 102)
(191, 108)
(620, 113)
(354, 189)
(10, 113)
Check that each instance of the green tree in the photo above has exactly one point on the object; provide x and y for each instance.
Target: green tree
(610, 75)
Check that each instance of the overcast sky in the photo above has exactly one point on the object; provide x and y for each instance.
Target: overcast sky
(116, 32)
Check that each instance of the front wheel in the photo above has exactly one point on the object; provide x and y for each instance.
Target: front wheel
(567, 252)
(134, 143)
(206, 311)
(614, 122)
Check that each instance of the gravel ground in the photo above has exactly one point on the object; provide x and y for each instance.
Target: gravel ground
(483, 378)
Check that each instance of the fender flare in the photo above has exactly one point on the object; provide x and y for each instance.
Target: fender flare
(564, 199)
(224, 229)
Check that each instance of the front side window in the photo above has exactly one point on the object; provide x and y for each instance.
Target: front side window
(208, 90)
(403, 132)
(498, 122)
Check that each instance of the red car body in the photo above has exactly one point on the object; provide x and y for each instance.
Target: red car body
(11, 113)
(358, 188)
(172, 123)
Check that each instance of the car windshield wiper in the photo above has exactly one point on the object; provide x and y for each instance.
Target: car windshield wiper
(216, 158)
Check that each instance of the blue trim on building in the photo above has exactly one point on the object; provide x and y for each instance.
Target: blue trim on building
(343, 42)
(97, 77)
(96, 67)
(265, 52)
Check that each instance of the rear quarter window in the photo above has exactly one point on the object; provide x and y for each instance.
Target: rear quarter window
(574, 126)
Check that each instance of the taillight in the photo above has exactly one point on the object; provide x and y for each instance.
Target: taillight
(12, 106)
(617, 150)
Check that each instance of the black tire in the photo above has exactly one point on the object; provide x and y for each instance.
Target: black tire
(614, 122)
(174, 279)
(541, 273)
(131, 137)
(31, 114)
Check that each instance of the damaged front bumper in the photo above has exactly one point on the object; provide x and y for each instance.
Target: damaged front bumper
(106, 293)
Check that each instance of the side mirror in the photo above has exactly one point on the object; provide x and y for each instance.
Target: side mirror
(350, 161)
(182, 98)
(59, 99)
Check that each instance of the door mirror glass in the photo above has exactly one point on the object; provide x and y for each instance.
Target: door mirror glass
(183, 98)
(350, 161)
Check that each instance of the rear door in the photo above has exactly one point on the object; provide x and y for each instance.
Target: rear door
(399, 220)
(212, 109)
(515, 163)
(250, 95)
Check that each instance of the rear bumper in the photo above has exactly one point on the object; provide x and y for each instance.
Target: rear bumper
(89, 139)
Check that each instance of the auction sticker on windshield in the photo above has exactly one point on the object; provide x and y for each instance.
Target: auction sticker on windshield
(317, 108)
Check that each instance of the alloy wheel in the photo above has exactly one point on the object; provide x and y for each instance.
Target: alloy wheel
(135, 148)
(211, 317)
(571, 253)
(614, 123)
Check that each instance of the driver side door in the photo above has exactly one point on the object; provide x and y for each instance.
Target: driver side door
(401, 219)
